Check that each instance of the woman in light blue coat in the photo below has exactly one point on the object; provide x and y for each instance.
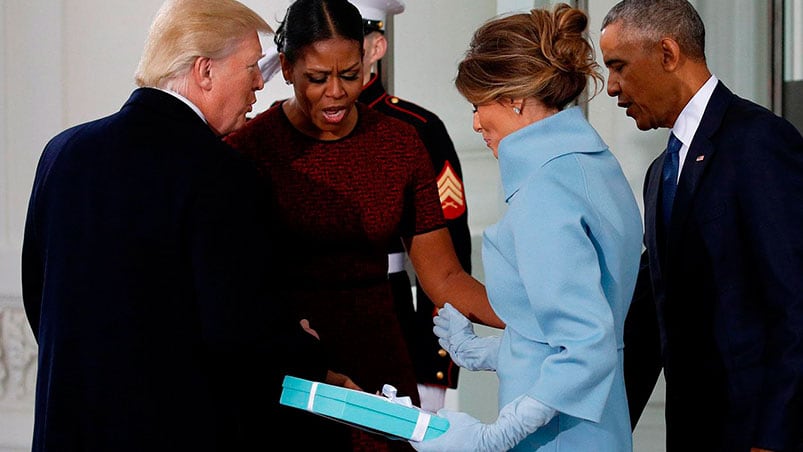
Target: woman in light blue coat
(561, 264)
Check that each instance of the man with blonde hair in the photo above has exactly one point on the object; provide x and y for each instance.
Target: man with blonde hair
(145, 262)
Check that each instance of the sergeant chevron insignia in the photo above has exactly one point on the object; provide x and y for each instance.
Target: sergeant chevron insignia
(450, 188)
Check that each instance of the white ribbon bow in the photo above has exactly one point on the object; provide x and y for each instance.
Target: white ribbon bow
(421, 423)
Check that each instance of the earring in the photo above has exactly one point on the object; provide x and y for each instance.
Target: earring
(288, 82)
(517, 110)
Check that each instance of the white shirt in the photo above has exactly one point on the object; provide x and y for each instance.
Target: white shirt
(689, 120)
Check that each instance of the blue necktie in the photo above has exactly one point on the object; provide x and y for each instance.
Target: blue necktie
(670, 176)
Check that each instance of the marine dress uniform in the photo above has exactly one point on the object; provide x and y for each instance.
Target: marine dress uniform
(432, 363)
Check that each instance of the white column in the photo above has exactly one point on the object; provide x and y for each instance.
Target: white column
(793, 30)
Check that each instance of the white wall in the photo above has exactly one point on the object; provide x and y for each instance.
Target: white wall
(30, 109)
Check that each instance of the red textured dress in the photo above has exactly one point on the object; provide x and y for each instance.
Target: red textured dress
(338, 206)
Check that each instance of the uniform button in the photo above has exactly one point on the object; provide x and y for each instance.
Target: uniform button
(442, 353)
(394, 100)
(439, 375)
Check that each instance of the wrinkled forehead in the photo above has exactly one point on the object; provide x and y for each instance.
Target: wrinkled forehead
(617, 37)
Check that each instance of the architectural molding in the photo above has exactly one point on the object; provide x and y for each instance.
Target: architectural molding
(18, 352)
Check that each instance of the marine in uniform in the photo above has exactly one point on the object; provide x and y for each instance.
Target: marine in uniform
(435, 371)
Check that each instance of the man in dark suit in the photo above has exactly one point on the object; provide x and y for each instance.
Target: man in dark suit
(145, 267)
(724, 260)
(434, 368)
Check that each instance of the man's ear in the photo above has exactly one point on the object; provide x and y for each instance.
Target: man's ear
(377, 47)
(670, 54)
(202, 72)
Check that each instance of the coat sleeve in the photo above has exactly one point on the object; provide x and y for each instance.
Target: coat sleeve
(32, 268)
(772, 221)
(245, 320)
(642, 345)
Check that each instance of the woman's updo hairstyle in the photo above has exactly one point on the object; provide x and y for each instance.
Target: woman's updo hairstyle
(309, 21)
(542, 54)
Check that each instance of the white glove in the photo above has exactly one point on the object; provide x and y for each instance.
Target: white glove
(269, 64)
(456, 335)
(517, 420)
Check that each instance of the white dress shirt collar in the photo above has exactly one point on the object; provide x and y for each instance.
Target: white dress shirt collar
(689, 119)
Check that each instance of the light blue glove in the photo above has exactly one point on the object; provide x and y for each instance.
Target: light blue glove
(516, 421)
(456, 335)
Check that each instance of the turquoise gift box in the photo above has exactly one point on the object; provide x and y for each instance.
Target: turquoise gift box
(361, 409)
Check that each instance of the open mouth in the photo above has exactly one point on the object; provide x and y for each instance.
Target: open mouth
(334, 115)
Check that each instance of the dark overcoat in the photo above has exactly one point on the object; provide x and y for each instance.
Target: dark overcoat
(147, 282)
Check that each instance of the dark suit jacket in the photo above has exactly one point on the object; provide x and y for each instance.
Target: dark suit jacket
(727, 281)
(146, 281)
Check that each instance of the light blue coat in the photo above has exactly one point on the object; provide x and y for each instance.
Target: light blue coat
(560, 269)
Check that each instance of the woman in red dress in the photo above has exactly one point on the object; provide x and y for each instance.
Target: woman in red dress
(346, 182)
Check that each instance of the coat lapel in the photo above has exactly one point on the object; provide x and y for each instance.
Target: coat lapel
(701, 152)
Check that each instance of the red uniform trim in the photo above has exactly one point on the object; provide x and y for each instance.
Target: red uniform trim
(378, 99)
(396, 107)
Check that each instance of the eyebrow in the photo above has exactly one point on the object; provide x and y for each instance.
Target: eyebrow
(353, 67)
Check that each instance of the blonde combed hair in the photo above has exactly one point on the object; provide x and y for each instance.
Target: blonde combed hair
(543, 54)
(184, 30)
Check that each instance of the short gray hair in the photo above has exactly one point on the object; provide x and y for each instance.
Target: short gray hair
(652, 20)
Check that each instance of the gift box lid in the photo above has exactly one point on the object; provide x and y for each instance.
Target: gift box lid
(363, 410)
